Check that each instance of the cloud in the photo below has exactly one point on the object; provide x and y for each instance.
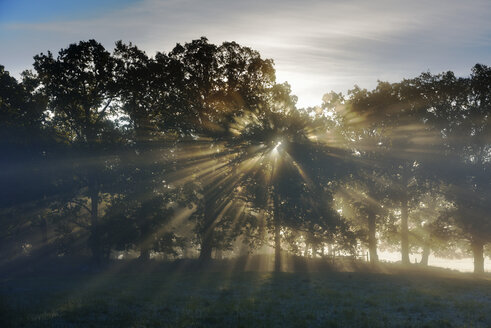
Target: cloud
(316, 45)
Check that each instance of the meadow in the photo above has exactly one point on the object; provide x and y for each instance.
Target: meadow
(136, 295)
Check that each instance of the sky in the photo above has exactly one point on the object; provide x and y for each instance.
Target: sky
(317, 46)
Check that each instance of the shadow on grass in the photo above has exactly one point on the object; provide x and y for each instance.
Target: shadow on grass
(242, 293)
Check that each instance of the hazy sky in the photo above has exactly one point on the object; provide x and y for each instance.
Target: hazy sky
(317, 46)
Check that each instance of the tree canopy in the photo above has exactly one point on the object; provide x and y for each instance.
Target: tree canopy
(199, 152)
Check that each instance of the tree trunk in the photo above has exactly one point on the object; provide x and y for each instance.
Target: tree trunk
(44, 231)
(306, 250)
(314, 250)
(206, 247)
(372, 238)
(207, 233)
(144, 254)
(186, 253)
(478, 251)
(426, 251)
(404, 234)
(146, 241)
(277, 248)
(404, 220)
(329, 250)
(404, 231)
(277, 236)
(243, 248)
(138, 158)
(95, 238)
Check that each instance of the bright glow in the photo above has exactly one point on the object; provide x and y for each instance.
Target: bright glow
(275, 149)
(463, 264)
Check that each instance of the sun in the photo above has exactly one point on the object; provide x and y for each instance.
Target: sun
(275, 149)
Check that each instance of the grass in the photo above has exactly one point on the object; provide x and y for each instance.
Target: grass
(193, 297)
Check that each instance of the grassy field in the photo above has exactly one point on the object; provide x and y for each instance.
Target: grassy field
(193, 297)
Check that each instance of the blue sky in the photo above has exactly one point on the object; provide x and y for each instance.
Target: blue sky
(317, 45)
(30, 11)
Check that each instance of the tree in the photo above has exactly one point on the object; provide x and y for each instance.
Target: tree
(80, 85)
(363, 191)
(219, 84)
(464, 122)
(23, 140)
(396, 113)
(29, 178)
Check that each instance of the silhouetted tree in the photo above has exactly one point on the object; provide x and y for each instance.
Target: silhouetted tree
(464, 123)
(220, 83)
(80, 85)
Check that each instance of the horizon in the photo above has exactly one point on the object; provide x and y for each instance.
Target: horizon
(191, 163)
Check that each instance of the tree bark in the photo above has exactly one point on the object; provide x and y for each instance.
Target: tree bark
(206, 246)
(277, 248)
(144, 254)
(93, 184)
(277, 236)
(138, 158)
(372, 238)
(426, 251)
(404, 217)
(207, 234)
(95, 238)
(206, 249)
(186, 253)
(44, 231)
(314, 250)
(404, 234)
(478, 252)
(306, 250)
(329, 250)
(404, 221)
(146, 239)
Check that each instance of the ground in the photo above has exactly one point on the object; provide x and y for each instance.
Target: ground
(193, 296)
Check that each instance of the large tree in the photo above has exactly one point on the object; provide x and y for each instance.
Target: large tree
(80, 86)
(395, 113)
(219, 85)
(465, 124)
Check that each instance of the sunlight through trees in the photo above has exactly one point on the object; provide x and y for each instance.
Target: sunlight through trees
(200, 153)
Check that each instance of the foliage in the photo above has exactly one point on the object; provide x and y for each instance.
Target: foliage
(200, 149)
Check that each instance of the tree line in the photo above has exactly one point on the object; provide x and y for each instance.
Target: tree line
(200, 151)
